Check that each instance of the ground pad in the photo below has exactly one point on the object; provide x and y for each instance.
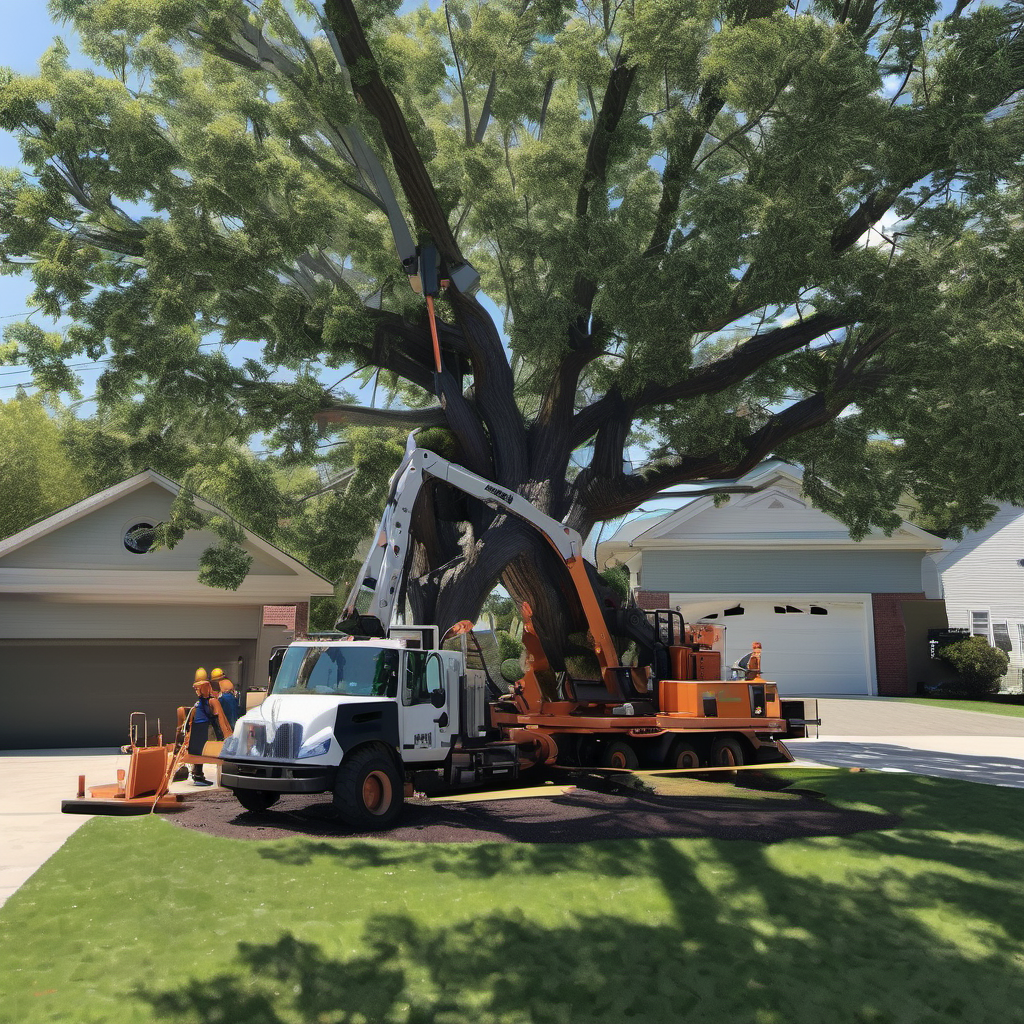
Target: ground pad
(579, 816)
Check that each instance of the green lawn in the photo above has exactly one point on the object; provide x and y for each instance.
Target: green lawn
(984, 706)
(138, 920)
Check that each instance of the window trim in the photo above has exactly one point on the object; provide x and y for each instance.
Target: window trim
(987, 612)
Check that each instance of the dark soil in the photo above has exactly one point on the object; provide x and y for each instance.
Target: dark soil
(582, 815)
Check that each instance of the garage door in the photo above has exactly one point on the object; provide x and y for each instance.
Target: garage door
(80, 695)
(809, 649)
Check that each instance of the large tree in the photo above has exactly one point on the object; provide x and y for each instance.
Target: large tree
(715, 231)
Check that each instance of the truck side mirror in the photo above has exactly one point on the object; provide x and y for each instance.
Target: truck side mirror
(438, 698)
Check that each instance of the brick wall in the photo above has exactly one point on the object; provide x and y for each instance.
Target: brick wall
(891, 643)
(649, 599)
(301, 618)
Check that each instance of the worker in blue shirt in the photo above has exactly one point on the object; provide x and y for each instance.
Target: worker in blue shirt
(228, 697)
(205, 711)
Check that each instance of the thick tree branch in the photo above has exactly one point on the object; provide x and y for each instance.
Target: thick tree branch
(595, 167)
(678, 165)
(730, 369)
(406, 419)
(372, 91)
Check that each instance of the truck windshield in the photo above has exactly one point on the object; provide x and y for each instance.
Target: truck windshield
(343, 671)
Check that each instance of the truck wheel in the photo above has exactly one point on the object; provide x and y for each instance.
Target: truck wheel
(619, 754)
(368, 792)
(256, 799)
(727, 752)
(682, 755)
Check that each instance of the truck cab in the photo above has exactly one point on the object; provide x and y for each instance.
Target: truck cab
(349, 716)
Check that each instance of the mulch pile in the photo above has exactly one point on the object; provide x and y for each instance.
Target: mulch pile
(582, 815)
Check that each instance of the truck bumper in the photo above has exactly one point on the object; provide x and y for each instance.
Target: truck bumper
(278, 778)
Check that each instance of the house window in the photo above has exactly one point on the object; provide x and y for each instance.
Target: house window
(818, 610)
(737, 610)
(1001, 637)
(981, 625)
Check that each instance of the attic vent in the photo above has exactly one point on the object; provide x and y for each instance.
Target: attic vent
(139, 538)
(776, 504)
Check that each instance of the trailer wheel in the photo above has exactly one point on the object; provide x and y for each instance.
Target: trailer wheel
(368, 792)
(682, 755)
(619, 754)
(727, 752)
(256, 799)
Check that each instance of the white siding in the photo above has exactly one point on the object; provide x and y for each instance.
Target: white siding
(983, 574)
(22, 619)
(97, 541)
(983, 571)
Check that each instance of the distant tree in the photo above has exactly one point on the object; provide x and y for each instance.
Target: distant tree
(37, 475)
(744, 228)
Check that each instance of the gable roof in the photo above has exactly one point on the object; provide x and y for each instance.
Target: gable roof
(775, 516)
(284, 578)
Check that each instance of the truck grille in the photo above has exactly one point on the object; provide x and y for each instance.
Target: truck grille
(282, 746)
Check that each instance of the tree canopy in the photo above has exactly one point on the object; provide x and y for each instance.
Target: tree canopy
(38, 476)
(714, 230)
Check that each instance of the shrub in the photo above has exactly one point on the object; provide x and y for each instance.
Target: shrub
(979, 665)
(508, 645)
(511, 670)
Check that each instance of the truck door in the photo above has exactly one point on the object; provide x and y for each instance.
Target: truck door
(428, 714)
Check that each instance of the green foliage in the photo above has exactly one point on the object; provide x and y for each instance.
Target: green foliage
(37, 476)
(617, 578)
(189, 210)
(508, 645)
(979, 665)
(511, 670)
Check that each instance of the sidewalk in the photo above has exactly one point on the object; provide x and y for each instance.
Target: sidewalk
(32, 785)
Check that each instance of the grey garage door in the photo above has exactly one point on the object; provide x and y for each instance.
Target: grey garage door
(80, 694)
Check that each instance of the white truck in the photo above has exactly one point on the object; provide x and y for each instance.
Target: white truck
(358, 714)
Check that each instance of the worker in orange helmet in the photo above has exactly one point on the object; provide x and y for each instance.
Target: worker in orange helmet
(206, 709)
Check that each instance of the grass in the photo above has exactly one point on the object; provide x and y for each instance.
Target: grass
(984, 706)
(136, 920)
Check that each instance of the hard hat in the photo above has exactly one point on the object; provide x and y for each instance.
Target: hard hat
(201, 676)
(216, 674)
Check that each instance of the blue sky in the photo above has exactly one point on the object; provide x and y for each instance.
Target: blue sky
(27, 32)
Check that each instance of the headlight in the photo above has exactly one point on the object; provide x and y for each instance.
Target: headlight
(315, 748)
(229, 747)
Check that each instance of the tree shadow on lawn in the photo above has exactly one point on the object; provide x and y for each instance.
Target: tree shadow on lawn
(908, 925)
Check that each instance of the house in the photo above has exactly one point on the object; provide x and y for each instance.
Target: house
(834, 616)
(982, 582)
(95, 624)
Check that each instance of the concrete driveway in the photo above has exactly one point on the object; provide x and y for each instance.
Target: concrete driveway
(895, 735)
(32, 785)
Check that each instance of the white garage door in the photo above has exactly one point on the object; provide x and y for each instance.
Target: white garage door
(807, 648)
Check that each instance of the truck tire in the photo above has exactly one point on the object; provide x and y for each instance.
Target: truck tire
(619, 754)
(727, 752)
(368, 792)
(682, 755)
(256, 799)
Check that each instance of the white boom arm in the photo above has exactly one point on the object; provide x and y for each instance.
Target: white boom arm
(386, 561)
